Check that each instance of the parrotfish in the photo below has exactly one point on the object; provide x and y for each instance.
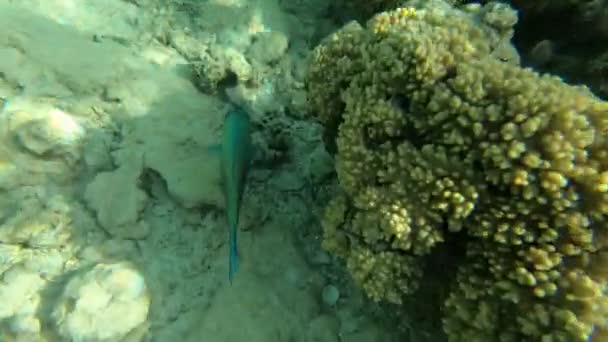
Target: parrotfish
(236, 155)
(3, 104)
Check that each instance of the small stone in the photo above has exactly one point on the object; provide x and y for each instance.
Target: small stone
(330, 295)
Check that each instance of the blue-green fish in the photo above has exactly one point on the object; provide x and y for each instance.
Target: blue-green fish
(3, 104)
(236, 157)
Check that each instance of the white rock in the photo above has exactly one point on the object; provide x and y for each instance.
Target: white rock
(269, 47)
(24, 324)
(118, 201)
(38, 138)
(104, 304)
(20, 300)
(52, 130)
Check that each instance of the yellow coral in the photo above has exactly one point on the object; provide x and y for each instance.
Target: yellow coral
(388, 20)
(435, 135)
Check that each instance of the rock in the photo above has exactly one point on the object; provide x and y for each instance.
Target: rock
(118, 201)
(268, 47)
(192, 179)
(104, 304)
(38, 140)
(320, 165)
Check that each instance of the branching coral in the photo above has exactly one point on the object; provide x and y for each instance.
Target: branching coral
(436, 135)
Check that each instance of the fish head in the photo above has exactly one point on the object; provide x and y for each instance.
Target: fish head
(238, 115)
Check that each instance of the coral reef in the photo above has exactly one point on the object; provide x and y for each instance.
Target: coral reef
(438, 132)
(260, 65)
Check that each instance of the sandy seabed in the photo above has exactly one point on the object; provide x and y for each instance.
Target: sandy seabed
(111, 220)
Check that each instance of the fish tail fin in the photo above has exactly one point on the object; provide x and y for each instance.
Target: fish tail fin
(233, 258)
